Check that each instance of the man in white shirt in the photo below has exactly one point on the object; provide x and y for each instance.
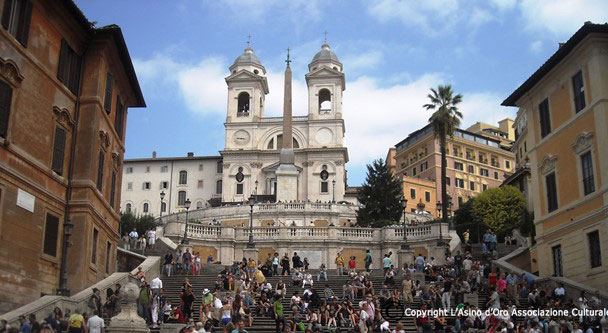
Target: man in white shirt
(96, 324)
(560, 292)
(152, 238)
(155, 285)
(133, 235)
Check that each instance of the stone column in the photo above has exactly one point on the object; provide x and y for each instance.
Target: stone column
(128, 320)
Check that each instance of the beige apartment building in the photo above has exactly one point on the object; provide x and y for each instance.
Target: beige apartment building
(475, 162)
(562, 135)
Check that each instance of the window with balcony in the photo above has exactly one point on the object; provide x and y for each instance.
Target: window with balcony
(484, 172)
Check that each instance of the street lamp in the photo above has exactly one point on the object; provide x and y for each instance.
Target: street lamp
(333, 191)
(450, 204)
(440, 242)
(250, 244)
(185, 239)
(405, 245)
(162, 198)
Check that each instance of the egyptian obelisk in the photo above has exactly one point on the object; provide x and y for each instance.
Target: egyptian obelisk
(287, 174)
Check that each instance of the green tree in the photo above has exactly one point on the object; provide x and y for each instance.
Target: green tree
(380, 197)
(141, 223)
(445, 119)
(464, 219)
(501, 208)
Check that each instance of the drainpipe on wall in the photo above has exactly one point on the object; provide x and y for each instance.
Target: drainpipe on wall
(67, 225)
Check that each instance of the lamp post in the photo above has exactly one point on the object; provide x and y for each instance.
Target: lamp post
(162, 198)
(450, 204)
(405, 245)
(250, 244)
(333, 191)
(440, 242)
(63, 281)
(185, 239)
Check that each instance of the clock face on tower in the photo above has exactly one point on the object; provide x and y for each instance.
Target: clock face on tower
(241, 137)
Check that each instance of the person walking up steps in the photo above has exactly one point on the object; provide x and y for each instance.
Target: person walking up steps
(368, 261)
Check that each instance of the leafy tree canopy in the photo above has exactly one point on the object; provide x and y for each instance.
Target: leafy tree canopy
(379, 196)
(501, 208)
(141, 223)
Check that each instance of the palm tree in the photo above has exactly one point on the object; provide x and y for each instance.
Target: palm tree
(445, 119)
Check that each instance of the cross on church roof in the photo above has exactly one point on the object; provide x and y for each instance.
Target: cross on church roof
(325, 39)
(287, 61)
(248, 40)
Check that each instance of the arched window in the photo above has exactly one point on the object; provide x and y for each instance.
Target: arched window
(280, 142)
(183, 177)
(218, 187)
(243, 105)
(128, 208)
(163, 207)
(324, 101)
(270, 144)
(199, 204)
(146, 207)
(181, 198)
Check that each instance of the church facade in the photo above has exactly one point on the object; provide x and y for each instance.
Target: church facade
(253, 142)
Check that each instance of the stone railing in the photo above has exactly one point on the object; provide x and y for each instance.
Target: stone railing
(299, 206)
(45, 305)
(293, 233)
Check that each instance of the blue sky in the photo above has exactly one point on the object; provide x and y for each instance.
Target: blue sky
(393, 51)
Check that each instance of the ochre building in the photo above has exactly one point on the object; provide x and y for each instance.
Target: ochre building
(562, 130)
(65, 87)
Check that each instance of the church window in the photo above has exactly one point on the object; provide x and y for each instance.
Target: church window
(239, 188)
(218, 187)
(146, 207)
(295, 143)
(243, 105)
(324, 101)
(255, 71)
(220, 167)
(270, 144)
(199, 204)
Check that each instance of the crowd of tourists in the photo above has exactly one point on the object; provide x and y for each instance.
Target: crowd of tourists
(242, 294)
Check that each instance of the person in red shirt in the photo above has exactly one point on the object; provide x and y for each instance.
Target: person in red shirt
(352, 265)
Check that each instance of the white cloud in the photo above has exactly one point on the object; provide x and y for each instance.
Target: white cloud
(415, 13)
(364, 60)
(536, 46)
(562, 17)
(479, 17)
(377, 115)
(504, 4)
(248, 10)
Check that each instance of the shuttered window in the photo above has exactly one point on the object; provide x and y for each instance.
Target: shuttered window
(100, 171)
(58, 150)
(51, 233)
(68, 71)
(545, 118)
(16, 19)
(587, 166)
(551, 188)
(113, 189)
(107, 102)
(578, 87)
(6, 95)
(120, 117)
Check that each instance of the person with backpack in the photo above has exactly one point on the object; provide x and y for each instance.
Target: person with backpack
(94, 302)
(368, 261)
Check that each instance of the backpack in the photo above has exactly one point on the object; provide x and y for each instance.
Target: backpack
(91, 302)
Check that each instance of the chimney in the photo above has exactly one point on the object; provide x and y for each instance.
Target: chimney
(190, 154)
(154, 154)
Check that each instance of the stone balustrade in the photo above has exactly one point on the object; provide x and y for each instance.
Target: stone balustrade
(288, 233)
